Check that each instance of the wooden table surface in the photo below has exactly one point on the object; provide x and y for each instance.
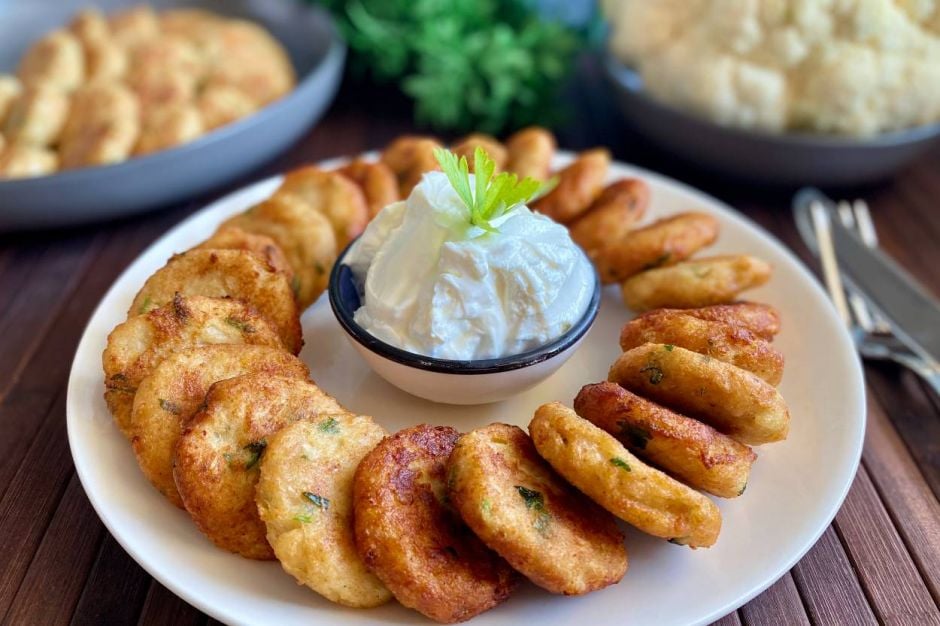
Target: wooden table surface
(879, 562)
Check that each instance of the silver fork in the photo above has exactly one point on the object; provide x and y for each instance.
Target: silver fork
(872, 332)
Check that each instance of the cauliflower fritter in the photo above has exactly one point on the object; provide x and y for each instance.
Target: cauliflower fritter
(693, 452)
(221, 104)
(695, 283)
(530, 152)
(237, 274)
(466, 147)
(761, 319)
(578, 186)
(168, 127)
(519, 507)
(19, 160)
(136, 346)
(217, 455)
(305, 499)
(235, 238)
(734, 401)
(134, 26)
(102, 126)
(37, 115)
(376, 180)
(10, 88)
(408, 535)
(598, 465)
(333, 195)
(168, 397)
(409, 157)
(621, 205)
(56, 60)
(725, 342)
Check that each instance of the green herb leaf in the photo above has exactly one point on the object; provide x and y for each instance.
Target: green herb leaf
(669, 347)
(241, 325)
(303, 518)
(618, 462)
(533, 499)
(329, 425)
(170, 407)
(255, 450)
(320, 501)
(656, 374)
(635, 436)
(492, 197)
(145, 305)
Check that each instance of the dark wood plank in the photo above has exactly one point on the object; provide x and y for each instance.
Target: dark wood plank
(163, 608)
(892, 583)
(57, 573)
(731, 619)
(908, 499)
(116, 588)
(779, 603)
(829, 586)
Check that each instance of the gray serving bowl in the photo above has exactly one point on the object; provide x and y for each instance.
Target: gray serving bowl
(785, 159)
(144, 183)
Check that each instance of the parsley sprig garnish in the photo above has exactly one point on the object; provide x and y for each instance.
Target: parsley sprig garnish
(491, 196)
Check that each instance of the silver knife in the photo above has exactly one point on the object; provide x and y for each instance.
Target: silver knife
(914, 313)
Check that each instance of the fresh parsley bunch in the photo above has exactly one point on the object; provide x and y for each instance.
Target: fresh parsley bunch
(468, 64)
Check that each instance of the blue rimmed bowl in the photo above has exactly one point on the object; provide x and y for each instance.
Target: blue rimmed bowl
(453, 381)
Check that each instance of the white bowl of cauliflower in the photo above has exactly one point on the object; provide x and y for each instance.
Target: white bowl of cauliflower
(791, 91)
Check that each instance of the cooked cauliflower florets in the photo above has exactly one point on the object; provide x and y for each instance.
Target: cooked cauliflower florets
(852, 67)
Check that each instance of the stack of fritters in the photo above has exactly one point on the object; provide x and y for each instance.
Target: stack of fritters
(107, 88)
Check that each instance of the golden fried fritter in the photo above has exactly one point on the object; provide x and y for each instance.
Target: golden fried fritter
(168, 127)
(664, 242)
(216, 468)
(579, 184)
(466, 147)
(695, 283)
(244, 55)
(10, 88)
(37, 116)
(530, 152)
(305, 499)
(597, 464)
(177, 386)
(188, 22)
(761, 319)
(221, 104)
(105, 60)
(136, 346)
(693, 452)
(20, 160)
(102, 127)
(134, 25)
(621, 205)
(56, 60)
(519, 507)
(235, 238)
(409, 157)
(410, 538)
(304, 235)
(733, 400)
(237, 274)
(725, 342)
(376, 180)
(333, 195)
(90, 25)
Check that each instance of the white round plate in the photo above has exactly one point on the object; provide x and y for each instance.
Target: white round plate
(794, 491)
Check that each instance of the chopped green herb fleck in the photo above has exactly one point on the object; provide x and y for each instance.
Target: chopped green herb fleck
(662, 259)
(145, 305)
(541, 522)
(170, 407)
(320, 501)
(656, 374)
(635, 436)
(295, 285)
(618, 462)
(255, 450)
(241, 325)
(329, 425)
(303, 518)
(486, 506)
(669, 347)
(533, 499)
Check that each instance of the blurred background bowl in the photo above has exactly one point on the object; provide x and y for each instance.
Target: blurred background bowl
(138, 184)
(784, 159)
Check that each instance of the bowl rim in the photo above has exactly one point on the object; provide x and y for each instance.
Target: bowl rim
(630, 81)
(512, 362)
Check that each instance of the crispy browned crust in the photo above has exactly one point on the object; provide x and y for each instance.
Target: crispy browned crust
(695, 283)
(692, 451)
(136, 346)
(217, 455)
(733, 400)
(376, 180)
(725, 342)
(176, 388)
(235, 238)
(519, 507)
(236, 274)
(409, 157)
(333, 195)
(761, 319)
(411, 539)
(621, 205)
(530, 152)
(466, 147)
(644, 497)
(578, 185)
(662, 243)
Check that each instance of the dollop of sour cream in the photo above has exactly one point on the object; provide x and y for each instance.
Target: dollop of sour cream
(434, 284)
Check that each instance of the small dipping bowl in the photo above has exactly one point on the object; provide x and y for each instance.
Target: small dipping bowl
(453, 381)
